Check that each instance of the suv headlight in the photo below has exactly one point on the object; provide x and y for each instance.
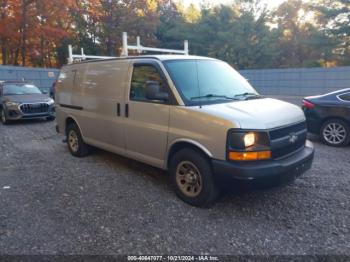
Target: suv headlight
(10, 103)
(248, 145)
(51, 101)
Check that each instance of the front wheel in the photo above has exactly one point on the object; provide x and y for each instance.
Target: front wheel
(3, 117)
(335, 132)
(192, 178)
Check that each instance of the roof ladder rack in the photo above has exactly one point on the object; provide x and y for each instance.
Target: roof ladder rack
(72, 57)
(138, 47)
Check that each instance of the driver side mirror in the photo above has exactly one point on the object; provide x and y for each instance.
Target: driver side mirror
(153, 92)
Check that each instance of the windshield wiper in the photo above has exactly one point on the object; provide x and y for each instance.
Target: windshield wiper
(248, 95)
(214, 96)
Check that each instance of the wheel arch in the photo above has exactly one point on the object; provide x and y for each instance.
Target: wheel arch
(185, 143)
(334, 117)
(70, 120)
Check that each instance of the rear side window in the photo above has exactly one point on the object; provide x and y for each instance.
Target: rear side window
(345, 97)
(140, 75)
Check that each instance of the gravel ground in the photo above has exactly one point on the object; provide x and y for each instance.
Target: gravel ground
(53, 203)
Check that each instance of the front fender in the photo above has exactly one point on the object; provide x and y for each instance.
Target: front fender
(189, 142)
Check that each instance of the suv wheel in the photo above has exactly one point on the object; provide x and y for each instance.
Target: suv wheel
(335, 132)
(192, 178)
(75, 142)
(3, 117)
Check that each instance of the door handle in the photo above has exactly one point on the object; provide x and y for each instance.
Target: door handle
(126, 110)
(118, 109)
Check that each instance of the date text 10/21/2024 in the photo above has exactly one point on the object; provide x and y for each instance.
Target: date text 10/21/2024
(173, 258)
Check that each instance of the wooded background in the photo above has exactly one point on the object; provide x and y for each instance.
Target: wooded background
(246, 33)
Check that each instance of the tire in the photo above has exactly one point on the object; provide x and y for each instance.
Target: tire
(335, 132)
(75, 142)
(50, 118)
(196, 186)
(3, 117)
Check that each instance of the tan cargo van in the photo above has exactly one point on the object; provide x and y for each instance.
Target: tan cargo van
(194, 116)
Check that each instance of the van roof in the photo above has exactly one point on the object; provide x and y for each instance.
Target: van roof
(157, 57)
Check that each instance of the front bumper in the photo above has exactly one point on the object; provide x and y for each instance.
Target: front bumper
(15, 113)
(227, 172)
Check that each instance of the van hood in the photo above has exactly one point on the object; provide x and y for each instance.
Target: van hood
(32, 98)
(265, 113)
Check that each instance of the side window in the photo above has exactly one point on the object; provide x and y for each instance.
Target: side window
(345, 97)
(141, 74)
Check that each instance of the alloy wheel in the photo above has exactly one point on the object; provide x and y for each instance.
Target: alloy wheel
(334, 133)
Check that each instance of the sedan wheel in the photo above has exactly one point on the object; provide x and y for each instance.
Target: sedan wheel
(335, 133)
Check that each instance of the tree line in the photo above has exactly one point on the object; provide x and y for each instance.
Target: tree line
(244, 33)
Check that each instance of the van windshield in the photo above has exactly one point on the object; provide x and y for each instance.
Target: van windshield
(208, 81)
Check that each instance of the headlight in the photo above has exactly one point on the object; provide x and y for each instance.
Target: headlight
(248, 145)
(51, 101)
(10, 103)
(249, 139)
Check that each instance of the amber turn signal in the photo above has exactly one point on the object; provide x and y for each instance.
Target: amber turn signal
(250, 156)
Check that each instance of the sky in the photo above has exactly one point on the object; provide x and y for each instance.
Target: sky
(270, 3)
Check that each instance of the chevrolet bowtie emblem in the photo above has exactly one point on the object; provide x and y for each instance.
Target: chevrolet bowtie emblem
(293, 138)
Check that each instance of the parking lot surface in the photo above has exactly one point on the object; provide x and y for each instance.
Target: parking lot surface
(53, 203)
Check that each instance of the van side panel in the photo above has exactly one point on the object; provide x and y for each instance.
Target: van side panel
(190, 124)
(104, 88)
(97, 90)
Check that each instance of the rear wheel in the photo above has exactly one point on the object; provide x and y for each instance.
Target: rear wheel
(192, 178)
(335, 132)
(75, 142)
(3, 117)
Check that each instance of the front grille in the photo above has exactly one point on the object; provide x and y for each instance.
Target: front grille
(283, 151)
(36, 108)
(286, 140)
(284, 131)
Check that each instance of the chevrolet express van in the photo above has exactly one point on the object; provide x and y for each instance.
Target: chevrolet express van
(194, 116)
